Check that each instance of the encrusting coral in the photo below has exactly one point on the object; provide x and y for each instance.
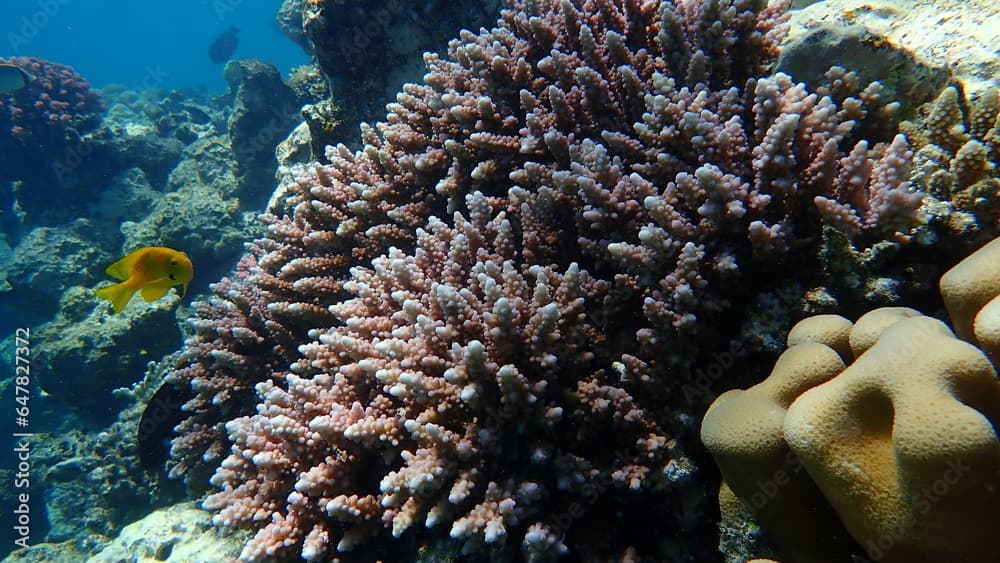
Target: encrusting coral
(902, 443)
(472, 324)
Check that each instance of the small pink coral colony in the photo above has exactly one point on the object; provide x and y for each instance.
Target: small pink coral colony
(55, 101)
(475, 326)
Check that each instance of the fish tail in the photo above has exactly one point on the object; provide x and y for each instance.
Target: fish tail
(118, 294)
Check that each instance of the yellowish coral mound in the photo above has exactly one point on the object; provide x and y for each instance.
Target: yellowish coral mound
(744, 431)
(901, 443)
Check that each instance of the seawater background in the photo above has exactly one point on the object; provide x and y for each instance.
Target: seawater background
(140, 44)
(144, 44)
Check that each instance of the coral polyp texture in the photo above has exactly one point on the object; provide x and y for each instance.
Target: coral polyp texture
(472, 326)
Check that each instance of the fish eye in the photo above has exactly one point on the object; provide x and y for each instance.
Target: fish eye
(172, 276)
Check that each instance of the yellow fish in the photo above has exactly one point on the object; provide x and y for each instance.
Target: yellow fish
(152, 269)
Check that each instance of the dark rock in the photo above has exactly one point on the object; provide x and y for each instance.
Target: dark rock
(324, 127)
(85, 353)
(264, 111)
(368, 48)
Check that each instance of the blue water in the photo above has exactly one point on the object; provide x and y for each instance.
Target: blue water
(144, 44)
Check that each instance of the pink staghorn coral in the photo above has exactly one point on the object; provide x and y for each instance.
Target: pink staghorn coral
(608, 169)
(446, 358)
(872, 195)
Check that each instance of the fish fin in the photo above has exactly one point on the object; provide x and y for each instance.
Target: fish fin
(154, 292)
(118, 294)
(184, 291)
(120, 270)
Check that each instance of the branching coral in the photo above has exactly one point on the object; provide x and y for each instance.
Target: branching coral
(476, 374)
(41, 134)
(445, 327)
(958, 152)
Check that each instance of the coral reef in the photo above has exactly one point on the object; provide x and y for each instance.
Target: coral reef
(956, 165)
(147, 131)
(199, 210)
(122, 144)
(165, 175)
(308, 84)
(91, 483)
(193, 204)
(112, 349)
(159, 170)
(34, 268)
(602, 178)
(889, 421)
